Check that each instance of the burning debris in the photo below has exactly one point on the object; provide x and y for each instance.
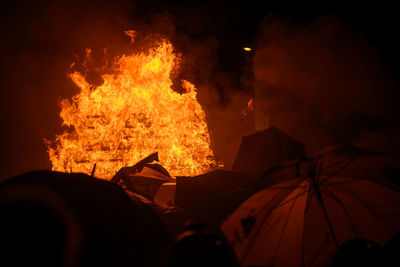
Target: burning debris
(132, 114)
(144, 178)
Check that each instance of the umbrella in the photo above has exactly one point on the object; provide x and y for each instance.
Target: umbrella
(210, 197)
(302, 212)
(263, 150)
(46, 215)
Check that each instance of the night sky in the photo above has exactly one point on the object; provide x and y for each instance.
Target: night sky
(331, 70)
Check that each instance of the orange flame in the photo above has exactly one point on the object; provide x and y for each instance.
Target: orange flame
(131, 115)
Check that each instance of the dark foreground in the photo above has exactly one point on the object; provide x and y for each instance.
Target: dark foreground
(58, 219)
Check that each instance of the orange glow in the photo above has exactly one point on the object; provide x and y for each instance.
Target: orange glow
(248, 49)
(132, 114)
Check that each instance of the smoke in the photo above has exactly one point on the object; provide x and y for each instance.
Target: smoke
(219, 93)
(322, 82)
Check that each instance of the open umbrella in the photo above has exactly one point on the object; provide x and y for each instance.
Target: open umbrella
(261, 151)
(60, 219)
(210, 197)
(302, 212)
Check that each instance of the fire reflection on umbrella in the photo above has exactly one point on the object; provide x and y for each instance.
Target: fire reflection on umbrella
(303, 211)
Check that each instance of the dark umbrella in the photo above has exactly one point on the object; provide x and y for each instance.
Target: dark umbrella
(302, 212)
(263, 150)
(210, 197)
(59, 219)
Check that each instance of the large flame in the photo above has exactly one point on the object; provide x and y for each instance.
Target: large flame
(132, 114)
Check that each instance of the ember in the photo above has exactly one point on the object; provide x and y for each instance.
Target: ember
(131, 115)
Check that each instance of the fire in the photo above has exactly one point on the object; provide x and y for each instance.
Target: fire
(132, 114)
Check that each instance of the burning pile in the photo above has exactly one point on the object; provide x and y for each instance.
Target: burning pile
(131, 115)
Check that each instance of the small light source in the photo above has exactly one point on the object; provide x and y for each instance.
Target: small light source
(220, 164)
(247, 49)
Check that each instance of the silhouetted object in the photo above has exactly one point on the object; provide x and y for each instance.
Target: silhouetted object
(265, 149)
(301, 212)
(210, 197)
(197, 247)
(138, 166)
(391, 252)
(143, 178)
(93, 170)
(165, 195)
(58, 219)
(174, 218)
(362, 163)
(358, 252)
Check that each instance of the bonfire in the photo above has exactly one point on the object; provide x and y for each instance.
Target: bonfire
(134, 113)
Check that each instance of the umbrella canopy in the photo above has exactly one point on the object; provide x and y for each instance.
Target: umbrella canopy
(302, 212)
(265, 149)
(210, 197)
(97, 223)
(147, 181)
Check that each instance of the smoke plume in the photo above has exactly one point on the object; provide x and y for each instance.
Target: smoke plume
(322, 82)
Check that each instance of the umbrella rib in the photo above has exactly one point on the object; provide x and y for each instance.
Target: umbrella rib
(330, 194)
(339, 170)
(292, 199)
(287, 187)
(356, 179)
(321, 203)
(265, 219)
(286, 223)
(336, 163)
(357, 156)
(308, 203)
(314, 178)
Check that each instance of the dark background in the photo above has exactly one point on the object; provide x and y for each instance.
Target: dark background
(40, 39)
